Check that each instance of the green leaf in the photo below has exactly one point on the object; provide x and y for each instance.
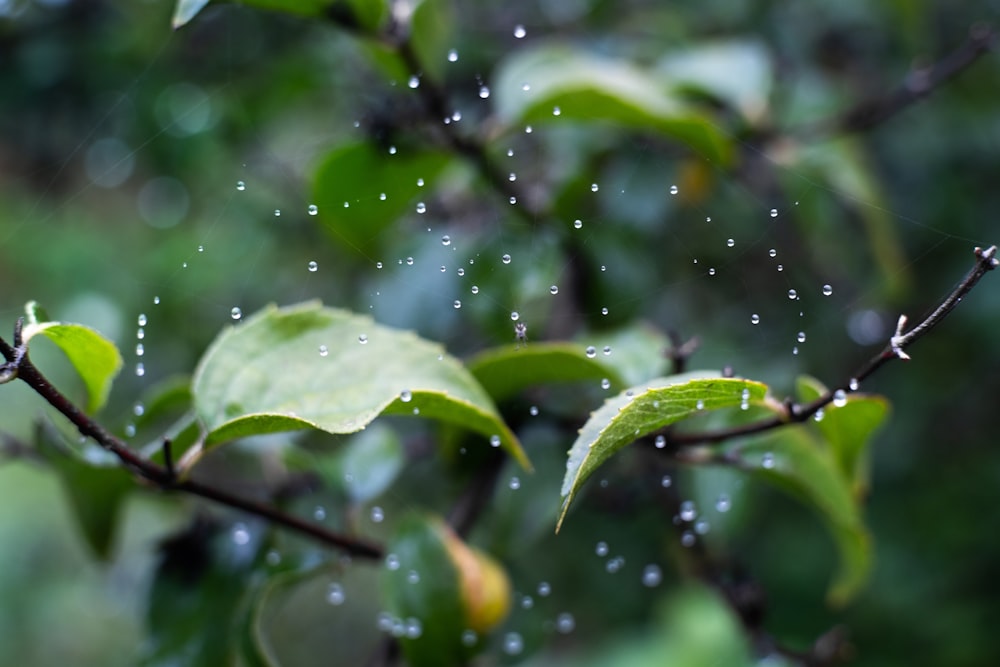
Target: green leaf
(96, 493)
(792, 458)
(185, 10)
(847, 430)
(430, 33)
(359, 174)
(361, 14)
(369, 463)
(644, 409)
(736, 72)
(504, 371)
(93, 356)
(268, 375)
(586, 87)
(435, 601)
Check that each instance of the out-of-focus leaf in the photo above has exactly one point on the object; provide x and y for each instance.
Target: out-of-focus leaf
(736, 72)
(504, 371)
(93, 356)
(376, 186)
(847, 429)
(567, 84)
(845, 168)
(792, 458)
(695, 629)
(637, 351)
(306, 366)
(430, 32)
(199, 597)
(364, 15)
(644, 409)
(369, 463)
(459, 588)
(95, 492)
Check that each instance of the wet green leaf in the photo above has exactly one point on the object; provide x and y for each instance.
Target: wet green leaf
(794, 459)
(848, 429)
(646, 408)
(506, 370)
(376, 186)
(93, 356)
(305, 366)
(369, 463)
(586, 87)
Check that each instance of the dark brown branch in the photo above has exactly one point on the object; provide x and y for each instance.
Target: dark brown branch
(919, 84)
(986, 261)
(20, 366)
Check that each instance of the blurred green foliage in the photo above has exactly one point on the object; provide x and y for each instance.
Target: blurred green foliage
(122, 144)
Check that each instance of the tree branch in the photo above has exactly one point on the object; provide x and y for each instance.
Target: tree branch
(163, 477)
(919, 84)
(986, 261)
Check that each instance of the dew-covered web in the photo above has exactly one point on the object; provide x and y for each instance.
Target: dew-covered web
(659, 234)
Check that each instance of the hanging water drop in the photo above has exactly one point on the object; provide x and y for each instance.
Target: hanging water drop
(323, 350)
(827, 290)
(674, 190)
(421, 207)
(591, 351)
(241, 186)
(313, 266)
(793, 295)
(755, 319)
(505, 259)
(484, 92)
(363, 339)
(774, 213)
(452, 56)
(730, 243)
(456, 304)
(554, 289)
(313, 209)
(578, 224)
(840, 398)
(236, 313)
(414, 81)
(519, 31)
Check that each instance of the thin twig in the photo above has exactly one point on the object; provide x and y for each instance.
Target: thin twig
(162, 476)
(919, 84)
(986, 261)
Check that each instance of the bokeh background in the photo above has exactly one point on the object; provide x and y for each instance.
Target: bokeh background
(122, 144)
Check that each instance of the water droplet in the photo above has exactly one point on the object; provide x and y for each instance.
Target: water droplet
(688, 539)
(577, 224)
(406, 396)
(513, 644)
(591, 351)
(774, 213)
(674, 190)
(378, 265)
(854, 384)
(767, 461)
(201, 248)
(793, 295)
(409, 261)
(730, 243)
(474, 289)
(819, 415)
(484, 92)
(544, 589)
(335, 594)
(512, 177)
(319, 513)
(241, 186)
(514, 484)
(687, 511)
(554, 289)
(594, 187)
(452, 56)
(527, 129)
(533, 410)
(494, 440)
(142, 320)
(666, 481)
(801, 337)
(781, 267)
(505, 259)
(607, 350)
(460, 272)
(556, 111)
(772, 252)
(514, 316)
(392, 562)
(139, 350)
(699, 405)
(755, 319)
(519, 31)
(236, 313)
(723, 504)
(363, 339)
(840, 398)
(392, 150)
(604, 311)
(313, 266)
(414, 81)
(601, 549)
(421, 207)
(156, 300)
(277, 212)
(525, 87)
(652, 575)
(140, 370)
(382, 197)
(240, 534)
(701, 527)
(660, 441)
(512, 200)
(827, 290)
(711, 271)
(313, 209)
(443, 268)
(605, 384)
(565, 623)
